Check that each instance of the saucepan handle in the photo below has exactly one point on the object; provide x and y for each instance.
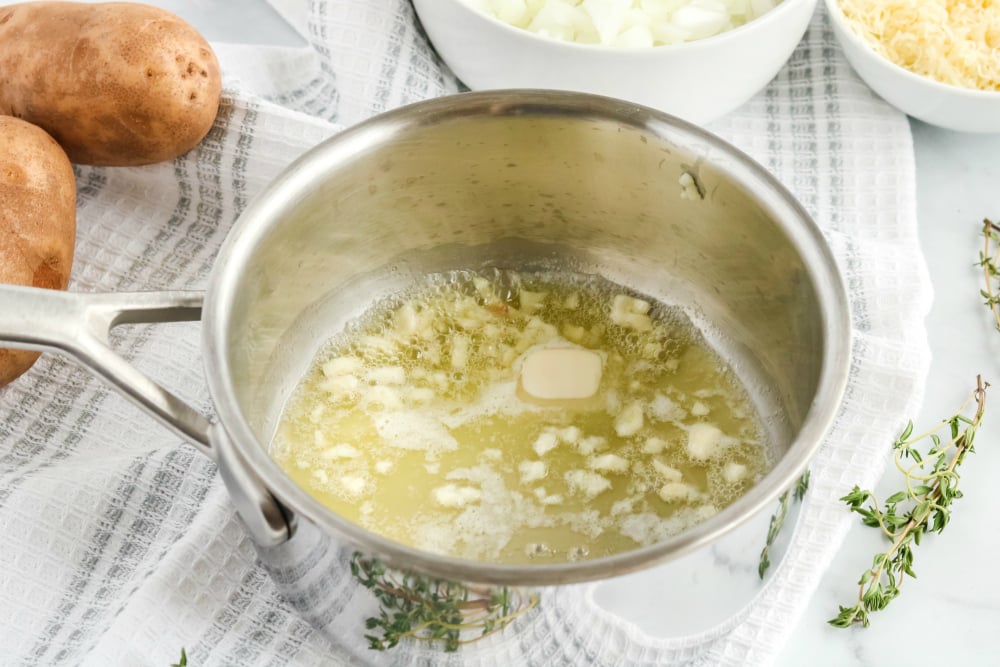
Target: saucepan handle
(77, 324)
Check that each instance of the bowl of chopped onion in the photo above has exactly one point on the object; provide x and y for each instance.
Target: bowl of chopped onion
(935, 61)
(696, 59)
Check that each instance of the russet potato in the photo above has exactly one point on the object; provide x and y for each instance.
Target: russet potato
(37, 219)
(116, 84)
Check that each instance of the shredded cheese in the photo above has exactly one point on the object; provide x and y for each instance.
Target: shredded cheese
(956, 42)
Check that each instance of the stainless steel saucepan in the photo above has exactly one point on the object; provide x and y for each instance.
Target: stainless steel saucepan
(515, 179)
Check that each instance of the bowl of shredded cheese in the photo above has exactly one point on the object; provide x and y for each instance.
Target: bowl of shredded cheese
(936, 60)
(696, 59)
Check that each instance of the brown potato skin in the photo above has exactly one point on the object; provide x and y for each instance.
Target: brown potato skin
(116, 84)
(37, 219)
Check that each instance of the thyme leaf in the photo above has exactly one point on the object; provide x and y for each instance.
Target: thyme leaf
(183, 661)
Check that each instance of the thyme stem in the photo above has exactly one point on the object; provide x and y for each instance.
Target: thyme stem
(778, 521)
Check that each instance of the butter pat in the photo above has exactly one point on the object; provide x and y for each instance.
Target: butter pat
(561, 373)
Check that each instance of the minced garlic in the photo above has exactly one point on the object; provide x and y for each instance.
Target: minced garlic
(467, 425)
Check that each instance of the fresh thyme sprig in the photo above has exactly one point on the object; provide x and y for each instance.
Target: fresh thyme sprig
(923, 506)
(778, 521)
(989, 259)
(434, 610)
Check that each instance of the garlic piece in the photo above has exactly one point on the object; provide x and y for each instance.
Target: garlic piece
(545, 443)
(453, 495)
(653, 445)
(591, 444)
(459, 352)
(667, 472)
(703, 441)
(630, 313)
(532, 471)
(675, 492)
(733, 472)
(587, 483)
(608, 463)
(341, 451)
(629, 420)
(699, 409)
(531, 301)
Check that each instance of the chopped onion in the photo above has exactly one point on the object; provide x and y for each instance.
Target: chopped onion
(626, 23)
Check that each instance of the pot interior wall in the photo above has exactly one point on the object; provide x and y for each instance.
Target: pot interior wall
(393, 201)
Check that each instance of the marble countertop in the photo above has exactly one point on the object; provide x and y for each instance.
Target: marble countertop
(958, 183)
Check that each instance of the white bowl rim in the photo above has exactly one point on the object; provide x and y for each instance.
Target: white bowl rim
(695, 44)
(837, 16)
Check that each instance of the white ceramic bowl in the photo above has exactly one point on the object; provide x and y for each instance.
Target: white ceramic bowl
(950, 107)
(698, 81)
